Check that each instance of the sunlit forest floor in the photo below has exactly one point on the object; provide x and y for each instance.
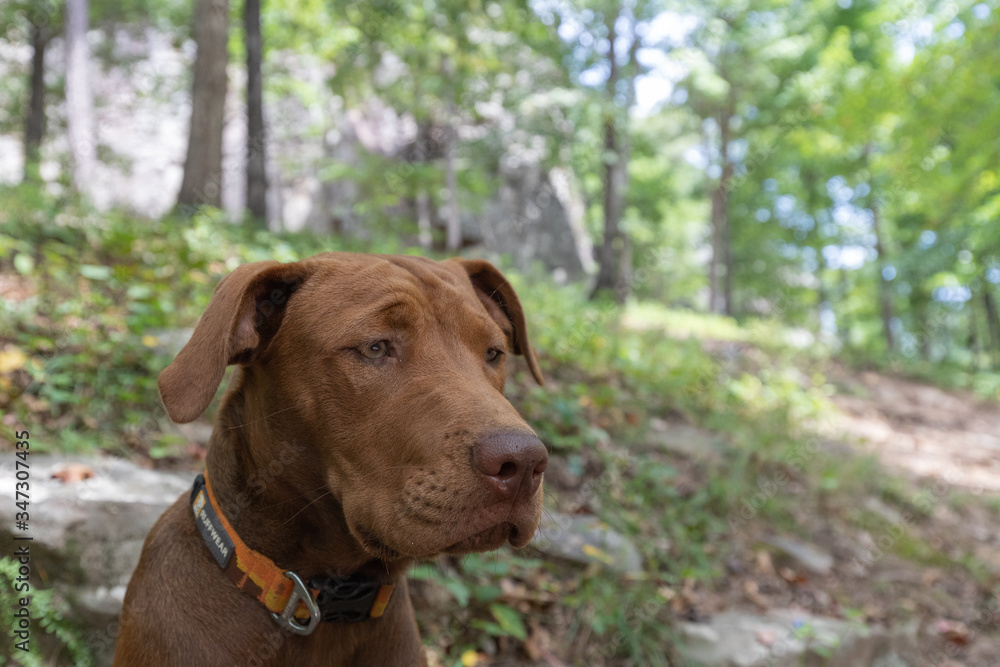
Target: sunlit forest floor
(709, 444)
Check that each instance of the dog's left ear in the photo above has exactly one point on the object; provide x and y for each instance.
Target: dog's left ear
(494, 290)
(244, 315)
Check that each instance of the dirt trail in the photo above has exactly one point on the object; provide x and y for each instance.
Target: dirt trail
(923, 430)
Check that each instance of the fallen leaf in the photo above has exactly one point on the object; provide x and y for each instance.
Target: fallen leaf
(766, 637)
(764, 564)
(598, 554)
(537, 642)
(12, 359)
(955, 632)
(74, 472)
(931, 577)
(873, 612)
(35, 404)
(752, 592)
(791, 576)
(552, 659)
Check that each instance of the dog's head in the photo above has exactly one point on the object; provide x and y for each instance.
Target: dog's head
(391, 369)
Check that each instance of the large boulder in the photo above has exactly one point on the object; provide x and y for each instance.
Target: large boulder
(586, 539)
(791, 638)
(88, 534)
(530, 220)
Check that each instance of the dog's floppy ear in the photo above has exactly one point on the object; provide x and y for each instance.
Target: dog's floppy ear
(491, 286)
(244, 314)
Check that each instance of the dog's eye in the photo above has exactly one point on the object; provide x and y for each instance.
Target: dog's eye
(376, 350)
(493, 355)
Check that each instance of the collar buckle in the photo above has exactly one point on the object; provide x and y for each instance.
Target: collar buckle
(346, 599)
(300, 593)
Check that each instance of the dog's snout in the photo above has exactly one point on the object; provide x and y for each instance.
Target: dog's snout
(511, 462)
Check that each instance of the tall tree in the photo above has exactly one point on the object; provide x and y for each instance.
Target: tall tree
(79, 98)
(613, 255)
(434, 63)
(884, 267)
(256, 143)
(603, 39)
(748, 82)
(202, 183)
(720, 299)
(453, 219)
(34, 124)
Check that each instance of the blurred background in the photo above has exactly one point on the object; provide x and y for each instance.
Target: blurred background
(758, 243)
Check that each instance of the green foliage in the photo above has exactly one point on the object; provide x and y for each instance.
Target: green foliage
(631, 618)
(105, 290)
(475, 585)
(46, 616)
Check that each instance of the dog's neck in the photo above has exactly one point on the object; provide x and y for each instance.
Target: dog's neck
(271, 486)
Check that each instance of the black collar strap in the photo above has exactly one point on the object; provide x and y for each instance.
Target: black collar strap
(293, 605)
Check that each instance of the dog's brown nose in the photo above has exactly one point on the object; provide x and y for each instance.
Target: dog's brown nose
(512, 462)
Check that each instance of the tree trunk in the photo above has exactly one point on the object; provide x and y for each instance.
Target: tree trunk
(721, 263)
(202, 184)
(993, 324)
(814, 204)
(79, 100)
(454, 219)
(884, 289)
(612, 256)
(975, 345)
(721, 300)
(34, 125)
(716, 221)
(624, 278)
(822, 295)
(256, 144)
(921, 309)
(843, 324)
(612, 249)
(422, 196)
(727, 250)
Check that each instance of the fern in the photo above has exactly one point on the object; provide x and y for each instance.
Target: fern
(44, 613)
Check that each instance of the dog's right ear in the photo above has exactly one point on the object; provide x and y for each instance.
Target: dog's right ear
(242, 318)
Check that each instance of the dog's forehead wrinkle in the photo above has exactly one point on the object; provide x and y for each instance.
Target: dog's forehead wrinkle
(425, 270)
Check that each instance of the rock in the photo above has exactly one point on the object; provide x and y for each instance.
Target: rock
(876, 506)
(527, 221)
(699, 636)
(586, 539)
(805, 555)
(684, 439)
(793, 638)
(199, 432)
(88, 533)
(170, 341)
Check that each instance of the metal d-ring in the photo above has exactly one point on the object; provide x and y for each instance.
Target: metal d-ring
(286, 618)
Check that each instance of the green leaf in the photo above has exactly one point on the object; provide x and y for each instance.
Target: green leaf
(486, 593)
(424, 572)
(459, 590)
(490, 628)
(509, 620)
(95, 271)
(24, 264)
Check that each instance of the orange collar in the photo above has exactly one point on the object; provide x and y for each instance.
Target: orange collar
(293, 605)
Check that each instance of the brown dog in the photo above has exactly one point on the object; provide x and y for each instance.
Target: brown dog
(365, 427)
